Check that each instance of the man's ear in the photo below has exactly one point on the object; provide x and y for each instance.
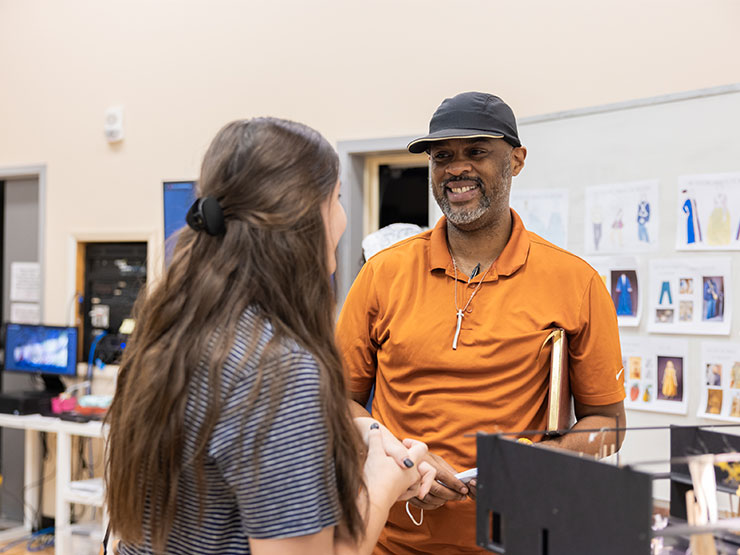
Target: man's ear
(518, 154)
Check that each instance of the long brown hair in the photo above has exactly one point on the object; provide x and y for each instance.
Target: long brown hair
(270, 177)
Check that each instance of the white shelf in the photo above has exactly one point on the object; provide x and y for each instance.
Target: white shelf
(85, 492)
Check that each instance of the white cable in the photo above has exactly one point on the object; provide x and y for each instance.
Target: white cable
(75, 298)
(408, 512)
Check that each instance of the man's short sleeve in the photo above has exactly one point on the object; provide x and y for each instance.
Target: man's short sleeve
(355, 334)
(596, 371)
(291, 490)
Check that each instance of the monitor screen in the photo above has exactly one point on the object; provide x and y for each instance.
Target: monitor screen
(41, 349)
(178, 197)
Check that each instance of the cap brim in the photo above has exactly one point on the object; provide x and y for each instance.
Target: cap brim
(418, 146)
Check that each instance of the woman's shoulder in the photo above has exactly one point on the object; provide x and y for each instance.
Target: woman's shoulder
(255, 345)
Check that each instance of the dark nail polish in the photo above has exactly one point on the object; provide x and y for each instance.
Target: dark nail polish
(374, 426)
(408, 463)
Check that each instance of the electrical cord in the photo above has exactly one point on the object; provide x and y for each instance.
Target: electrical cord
(42, 535)
(91, 358)
(21, 500)
(77, 296)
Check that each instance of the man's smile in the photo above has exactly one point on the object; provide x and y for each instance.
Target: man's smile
(461, 190)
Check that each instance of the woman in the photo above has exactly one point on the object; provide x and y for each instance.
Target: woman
(229, 431)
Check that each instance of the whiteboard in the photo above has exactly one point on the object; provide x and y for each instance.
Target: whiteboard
(654, 139)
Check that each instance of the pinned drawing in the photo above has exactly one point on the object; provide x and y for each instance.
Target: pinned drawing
(624, 293)
(643, 217)
(690, 295)
(721, 387)
(621, 218)
(714, 296)
(708, 212)
(621, 276)
(659, 385)
(544, 212)
(670, 376)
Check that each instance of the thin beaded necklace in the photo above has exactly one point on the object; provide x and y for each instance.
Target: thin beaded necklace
(460, 312)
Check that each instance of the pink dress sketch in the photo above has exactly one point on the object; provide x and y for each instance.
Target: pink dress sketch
(617, 225)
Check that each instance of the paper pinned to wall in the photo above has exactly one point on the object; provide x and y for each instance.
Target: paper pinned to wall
(708, 212)
(622, 218)
(622, 277)
(25, 313)
(690, 295)
(720, 384)
(655, 374)
(544, 212)
(25, 282)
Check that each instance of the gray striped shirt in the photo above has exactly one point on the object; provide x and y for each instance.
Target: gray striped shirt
(291, 492)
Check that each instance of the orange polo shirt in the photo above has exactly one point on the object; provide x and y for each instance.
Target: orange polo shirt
(396, 330)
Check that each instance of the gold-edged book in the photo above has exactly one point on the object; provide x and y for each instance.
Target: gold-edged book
(559, 402)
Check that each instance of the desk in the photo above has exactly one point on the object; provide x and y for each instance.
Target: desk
(33, 424)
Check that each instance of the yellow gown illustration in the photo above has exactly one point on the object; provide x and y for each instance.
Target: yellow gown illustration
(735, 373)
(735, 409)
(718, 230)
(670, 382)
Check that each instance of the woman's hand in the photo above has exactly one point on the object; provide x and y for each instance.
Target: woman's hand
(386, 480)
(427, 473)
(399, 451)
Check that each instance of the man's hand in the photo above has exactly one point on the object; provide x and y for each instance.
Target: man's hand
(473, 488)
(445, 488)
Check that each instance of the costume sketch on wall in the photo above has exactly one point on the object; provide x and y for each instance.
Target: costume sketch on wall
(690, 295)
(544, 212)
(720, 386)
(655, 374)
(621, 276)
(708, 212)
(621, 218)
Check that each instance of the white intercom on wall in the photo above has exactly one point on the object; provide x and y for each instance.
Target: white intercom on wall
(114, 124)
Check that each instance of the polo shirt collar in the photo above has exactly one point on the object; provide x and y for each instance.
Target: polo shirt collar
(513, 257)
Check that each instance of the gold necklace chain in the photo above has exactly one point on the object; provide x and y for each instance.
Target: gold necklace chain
(460, 312)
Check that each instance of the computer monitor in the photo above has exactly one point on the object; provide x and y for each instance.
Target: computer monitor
(178, 197)
(46, 350)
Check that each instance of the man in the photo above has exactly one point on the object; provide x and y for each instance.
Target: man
(449, 325)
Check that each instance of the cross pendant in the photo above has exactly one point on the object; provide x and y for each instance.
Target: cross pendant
(457, 329)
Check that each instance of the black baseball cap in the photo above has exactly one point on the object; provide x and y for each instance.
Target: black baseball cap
(468, 115)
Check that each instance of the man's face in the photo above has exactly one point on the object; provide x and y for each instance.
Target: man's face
(471, 179)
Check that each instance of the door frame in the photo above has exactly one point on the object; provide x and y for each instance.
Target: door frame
(353, 156)
(37, 172)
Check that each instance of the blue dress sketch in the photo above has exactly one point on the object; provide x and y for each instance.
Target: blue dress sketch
(624, 303)
(693, 229)
(643, 216)
(711, 296)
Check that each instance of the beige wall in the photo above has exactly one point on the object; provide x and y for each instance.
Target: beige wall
(352, 69)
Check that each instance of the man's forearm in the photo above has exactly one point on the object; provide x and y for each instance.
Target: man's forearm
(600, 444)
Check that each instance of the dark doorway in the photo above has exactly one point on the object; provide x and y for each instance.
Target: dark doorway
(404, 195)
(114, 274)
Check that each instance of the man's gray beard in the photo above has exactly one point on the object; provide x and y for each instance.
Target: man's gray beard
(467, 216)
(470, 216)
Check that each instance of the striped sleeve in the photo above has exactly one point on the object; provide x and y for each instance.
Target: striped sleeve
(291, 490)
